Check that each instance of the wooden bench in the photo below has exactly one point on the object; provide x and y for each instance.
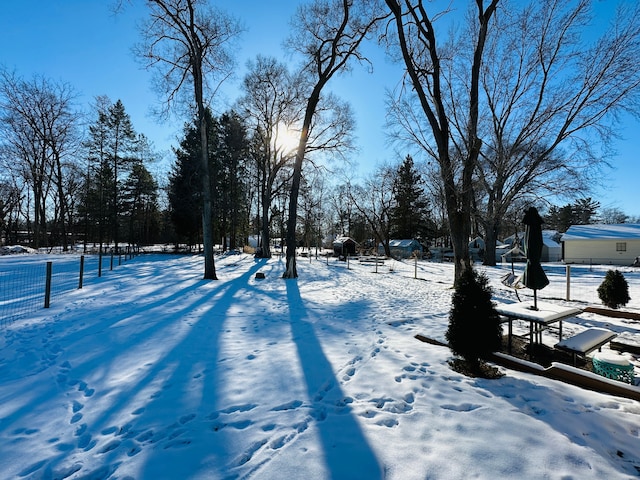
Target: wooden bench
(585, 342)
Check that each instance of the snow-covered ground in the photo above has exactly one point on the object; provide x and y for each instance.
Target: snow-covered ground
(152, 373)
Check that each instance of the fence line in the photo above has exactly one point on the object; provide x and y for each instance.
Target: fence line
(23, 285)
(568, 282)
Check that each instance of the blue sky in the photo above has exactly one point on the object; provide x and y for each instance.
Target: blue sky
(82, 43)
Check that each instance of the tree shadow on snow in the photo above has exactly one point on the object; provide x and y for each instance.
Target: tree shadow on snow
(346, 450)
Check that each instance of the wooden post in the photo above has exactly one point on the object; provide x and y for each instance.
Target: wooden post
(47, 288)
(81, 271)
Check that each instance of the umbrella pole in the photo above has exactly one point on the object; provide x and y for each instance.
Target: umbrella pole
(535, 299)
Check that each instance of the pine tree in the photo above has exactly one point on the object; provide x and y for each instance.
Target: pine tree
(140, 205)
(185, 186)
(410, 215)
(474, 325)
(232, 155)
(111, 154)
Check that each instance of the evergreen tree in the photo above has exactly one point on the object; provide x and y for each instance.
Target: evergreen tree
(121, 146)
(111, 153)
(474, 330)
(614, 290)
(410, 214)
(232, 155)
(140, 204)
(185, 198)
(581, 212)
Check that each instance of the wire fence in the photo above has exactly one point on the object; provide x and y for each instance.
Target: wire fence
(31, 282)
(24, 287)
(573, 282)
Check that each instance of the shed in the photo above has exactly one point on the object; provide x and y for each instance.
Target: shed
(402, 248)
(617, 244)
(343, 246)
(551, 250)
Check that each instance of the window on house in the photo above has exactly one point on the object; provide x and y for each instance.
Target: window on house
(621, 246)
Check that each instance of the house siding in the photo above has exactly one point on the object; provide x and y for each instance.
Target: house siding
(592, 251)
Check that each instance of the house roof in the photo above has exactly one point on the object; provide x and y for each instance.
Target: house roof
(403, 243)
(341, 240)
(621, 231)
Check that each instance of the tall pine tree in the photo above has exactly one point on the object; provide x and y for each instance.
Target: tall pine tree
(410, 214)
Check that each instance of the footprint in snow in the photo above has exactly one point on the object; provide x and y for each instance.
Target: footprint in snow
(77, 406)
(348, 374)
(239, 408)
(112, 445)
(463, 407)
(287, 406)
(187, 418)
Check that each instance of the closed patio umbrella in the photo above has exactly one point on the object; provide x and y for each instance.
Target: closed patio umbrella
(534, 276)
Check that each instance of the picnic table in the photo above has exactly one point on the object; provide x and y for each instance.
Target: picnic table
(539, 320)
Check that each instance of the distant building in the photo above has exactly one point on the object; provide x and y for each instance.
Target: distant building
(402, 248)
(551, 250)
(617, 244)
(344, 246)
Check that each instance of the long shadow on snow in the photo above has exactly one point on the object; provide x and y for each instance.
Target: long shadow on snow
(341, 436)
(168, 375)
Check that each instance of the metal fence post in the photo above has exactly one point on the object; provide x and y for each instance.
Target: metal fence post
(47, 288)
(81, 271)
(568, 296)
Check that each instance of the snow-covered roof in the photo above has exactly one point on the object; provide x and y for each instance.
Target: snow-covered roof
(621, 231)
(341, 240)
(402, 243)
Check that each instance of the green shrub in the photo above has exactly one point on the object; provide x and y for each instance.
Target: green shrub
(474, 325)
(614, 290)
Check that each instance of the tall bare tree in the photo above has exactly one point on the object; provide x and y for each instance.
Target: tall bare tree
(328, 34)
(429, 66)
(273, 104)
(551, 94)
(188, 42)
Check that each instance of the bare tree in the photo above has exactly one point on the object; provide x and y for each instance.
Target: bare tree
(38, 129)
(551, 97)
(187, 41)
(375, 201)
(327, 34)
(429, 68)
(272, 104)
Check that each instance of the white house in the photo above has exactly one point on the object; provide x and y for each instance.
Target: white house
(602, 244)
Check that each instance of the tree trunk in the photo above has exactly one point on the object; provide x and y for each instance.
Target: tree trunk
(265, 232)
(207, 214)
(291, 270)
(491, 237)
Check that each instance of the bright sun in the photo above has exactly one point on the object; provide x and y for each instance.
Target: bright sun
(286, 140)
